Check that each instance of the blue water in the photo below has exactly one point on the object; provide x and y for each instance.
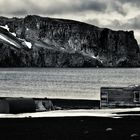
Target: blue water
(63, 83)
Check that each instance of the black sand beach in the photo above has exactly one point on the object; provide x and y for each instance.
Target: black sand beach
(70, 128)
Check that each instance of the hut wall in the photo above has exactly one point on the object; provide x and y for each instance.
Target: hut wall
(117, 97)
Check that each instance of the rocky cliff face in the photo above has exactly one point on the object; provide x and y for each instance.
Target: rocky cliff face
(36, 41)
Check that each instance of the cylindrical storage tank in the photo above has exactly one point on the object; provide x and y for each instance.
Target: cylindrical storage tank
(21, 105)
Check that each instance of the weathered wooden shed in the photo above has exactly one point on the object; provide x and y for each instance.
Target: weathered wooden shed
(117, 97)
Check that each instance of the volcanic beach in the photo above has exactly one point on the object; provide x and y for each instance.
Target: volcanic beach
(99, 124)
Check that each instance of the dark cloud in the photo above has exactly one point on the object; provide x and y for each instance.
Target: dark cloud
(92, 5)
(99, 6)
(51, 7)
(118, 7)
(133, 3)
(56, 7)
(82, 6)
(130, 1)
(134, 22)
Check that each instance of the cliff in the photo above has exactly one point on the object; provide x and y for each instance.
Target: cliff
(36, 41)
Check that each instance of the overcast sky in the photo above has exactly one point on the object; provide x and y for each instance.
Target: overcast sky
(114, 14)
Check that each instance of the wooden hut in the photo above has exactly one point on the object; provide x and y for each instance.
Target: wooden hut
(117, 97)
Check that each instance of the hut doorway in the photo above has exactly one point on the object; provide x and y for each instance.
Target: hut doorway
(136, 96)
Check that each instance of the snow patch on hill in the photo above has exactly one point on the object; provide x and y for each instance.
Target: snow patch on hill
(5, 39)
(5, 27)
(97, 57)
(14, 34)
(8, 29)
(28, 44)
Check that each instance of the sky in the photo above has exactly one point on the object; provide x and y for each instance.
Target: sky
(113, 14)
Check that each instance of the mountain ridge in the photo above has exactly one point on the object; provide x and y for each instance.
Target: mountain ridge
(64, 43)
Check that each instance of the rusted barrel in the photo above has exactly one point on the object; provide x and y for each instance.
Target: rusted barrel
(21, 105)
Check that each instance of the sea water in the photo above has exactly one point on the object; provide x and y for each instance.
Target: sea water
(77, 83)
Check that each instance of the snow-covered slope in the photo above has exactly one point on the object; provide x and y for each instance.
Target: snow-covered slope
(10, 37)
(3, 37)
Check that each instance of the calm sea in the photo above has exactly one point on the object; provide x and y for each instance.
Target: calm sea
(63, 83)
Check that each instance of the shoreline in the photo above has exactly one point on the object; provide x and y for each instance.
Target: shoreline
(102, 113)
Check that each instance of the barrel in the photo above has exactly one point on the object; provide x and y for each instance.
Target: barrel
(21, 105)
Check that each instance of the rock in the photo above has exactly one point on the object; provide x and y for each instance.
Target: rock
(109, 129)
(48, 105)
(40, 106)
(134, 136)
(86, 132)
(66, 43)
